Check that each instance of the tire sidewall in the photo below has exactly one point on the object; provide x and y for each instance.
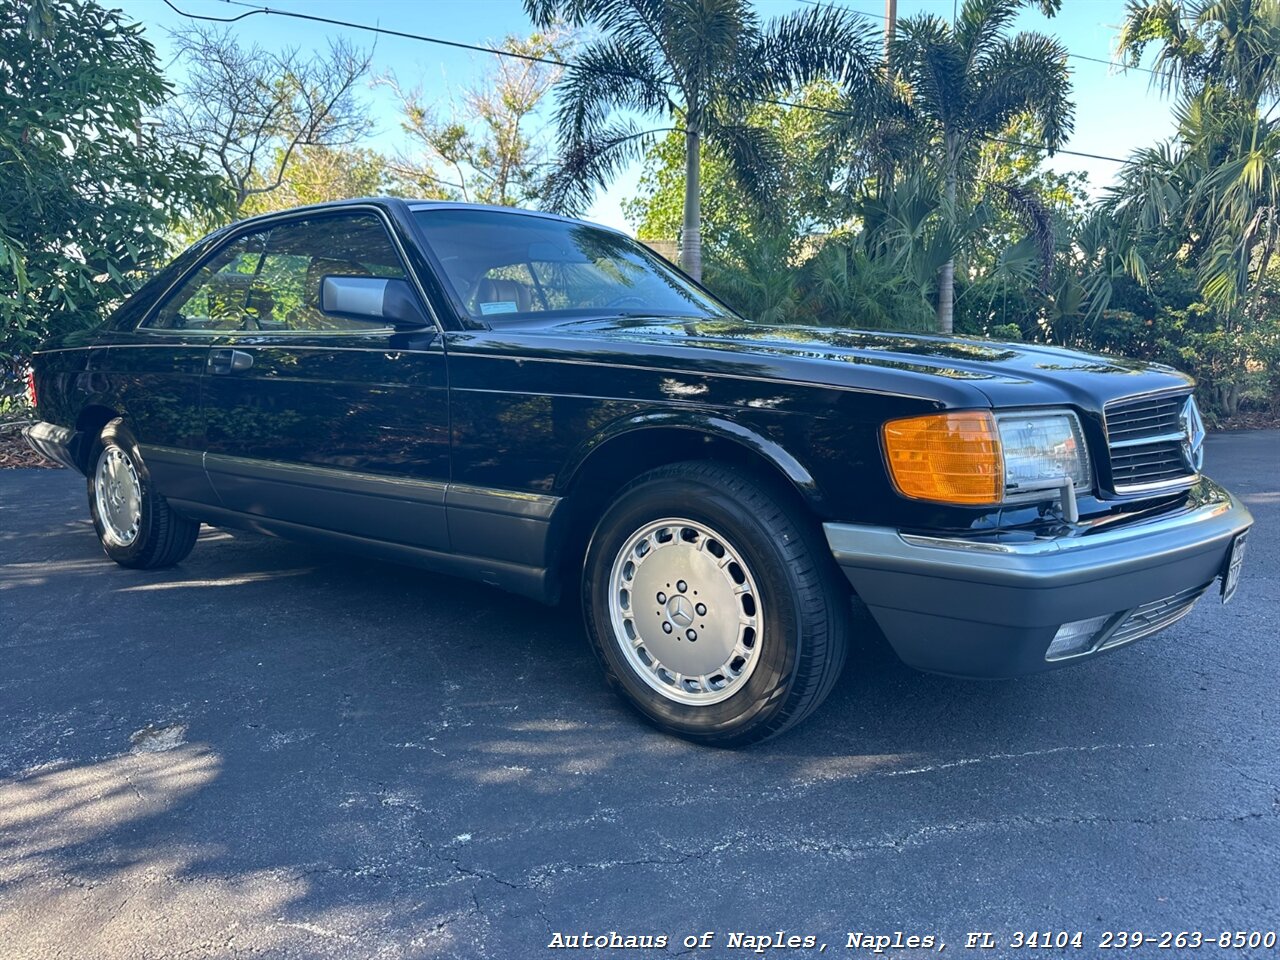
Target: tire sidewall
(766, 690)
(117, 434)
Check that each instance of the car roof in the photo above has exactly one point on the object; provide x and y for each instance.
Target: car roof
(413, 206)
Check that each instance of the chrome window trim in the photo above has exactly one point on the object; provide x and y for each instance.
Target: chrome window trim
(151, 331)
(379, 348)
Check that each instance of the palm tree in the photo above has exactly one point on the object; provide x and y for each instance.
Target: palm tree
(1209, 198)
(1233, 45)
(963, 84)
(701, 65)
(1221, 176)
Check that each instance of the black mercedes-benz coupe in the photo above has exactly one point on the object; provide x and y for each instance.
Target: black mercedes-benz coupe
(544, 405)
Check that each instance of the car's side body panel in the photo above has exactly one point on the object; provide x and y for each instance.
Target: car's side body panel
(157, 383)
(463, 445)
(70, 386)
(531, 407)
(341, 428)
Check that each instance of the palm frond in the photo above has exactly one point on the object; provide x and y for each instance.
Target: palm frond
(1025, 74)
(1146, 195)
(1159, 21)
(847, 286)
(605, 76)
(931, 66)
(610, 15)
(1038, 219)
(704, 42)
(761, 282)
(590, 162)
(816, 43)
(981, 25)
(753, 154)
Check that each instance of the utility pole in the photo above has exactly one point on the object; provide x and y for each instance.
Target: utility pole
(890, 21)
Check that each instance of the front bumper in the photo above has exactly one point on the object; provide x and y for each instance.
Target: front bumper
(991, 608)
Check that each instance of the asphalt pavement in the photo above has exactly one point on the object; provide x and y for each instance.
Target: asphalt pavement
(274, 751)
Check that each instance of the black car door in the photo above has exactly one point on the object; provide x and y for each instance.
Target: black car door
(324, 422)
(158, 371)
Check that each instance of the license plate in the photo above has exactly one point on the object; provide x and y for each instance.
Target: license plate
(1235, 561)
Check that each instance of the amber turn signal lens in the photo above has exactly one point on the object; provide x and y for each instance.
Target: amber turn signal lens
(946, 457)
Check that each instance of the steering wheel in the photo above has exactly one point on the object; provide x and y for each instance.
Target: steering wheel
(628, 299)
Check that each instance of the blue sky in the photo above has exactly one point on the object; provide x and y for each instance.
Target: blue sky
(1115, 112)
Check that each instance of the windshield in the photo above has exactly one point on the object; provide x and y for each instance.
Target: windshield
(509, 266)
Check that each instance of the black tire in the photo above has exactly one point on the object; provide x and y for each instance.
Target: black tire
(163, 538)
(805, 618)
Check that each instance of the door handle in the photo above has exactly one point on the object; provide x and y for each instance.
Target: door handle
(229, 361)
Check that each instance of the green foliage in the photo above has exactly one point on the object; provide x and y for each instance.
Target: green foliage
(962, 84)
(85, 200)
(320, 174)
(700, 67)
(657, 210)
(1191, 227)
(1231, 45)
(484, 152)
(803, 201)
(758, 278)
(15, 407)
(850, 286)
(835, 282)
(852, 209)
(816, 256)
(1176, 263)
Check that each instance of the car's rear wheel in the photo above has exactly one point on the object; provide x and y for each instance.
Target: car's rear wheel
(712, 604)
(135, 524)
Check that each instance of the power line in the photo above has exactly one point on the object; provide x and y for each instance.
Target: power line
(550, 61)
(868, 15)
(384, 31)
(1036, 146)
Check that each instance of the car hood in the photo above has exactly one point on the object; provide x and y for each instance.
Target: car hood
(1005, 372)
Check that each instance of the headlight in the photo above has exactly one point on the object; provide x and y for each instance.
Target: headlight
(1040, 449)
(976, 458)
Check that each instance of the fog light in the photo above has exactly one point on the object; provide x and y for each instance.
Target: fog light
(1075, 638)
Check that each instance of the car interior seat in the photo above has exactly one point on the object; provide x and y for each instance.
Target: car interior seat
(500, 294)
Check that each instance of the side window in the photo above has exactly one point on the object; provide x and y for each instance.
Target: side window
(300, 255)
(270, 280)
(221, 294)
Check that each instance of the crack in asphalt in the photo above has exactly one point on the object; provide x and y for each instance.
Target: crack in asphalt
(543, 877)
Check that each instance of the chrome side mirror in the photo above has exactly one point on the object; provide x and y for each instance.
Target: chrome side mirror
(372, 300)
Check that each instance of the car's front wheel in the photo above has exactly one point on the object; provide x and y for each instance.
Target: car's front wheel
(135, 524)
(712, 605)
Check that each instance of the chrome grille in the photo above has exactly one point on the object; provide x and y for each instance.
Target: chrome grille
(1145, 436)
(1153, 616)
